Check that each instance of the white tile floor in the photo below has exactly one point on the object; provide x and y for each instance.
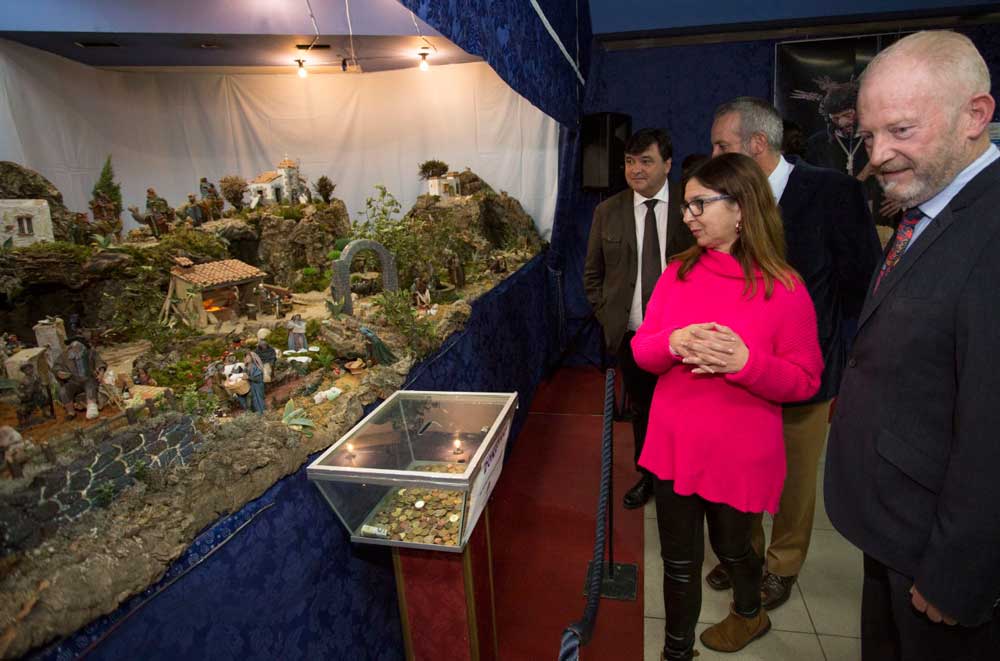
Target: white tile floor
(820, 622)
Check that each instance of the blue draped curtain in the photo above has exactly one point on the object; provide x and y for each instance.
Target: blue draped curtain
(510, 36)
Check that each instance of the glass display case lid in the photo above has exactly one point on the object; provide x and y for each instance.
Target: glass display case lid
(412, 431)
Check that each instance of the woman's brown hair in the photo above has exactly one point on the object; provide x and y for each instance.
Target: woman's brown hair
(761, 239)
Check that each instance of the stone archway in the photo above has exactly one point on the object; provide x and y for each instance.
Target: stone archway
(340, 287)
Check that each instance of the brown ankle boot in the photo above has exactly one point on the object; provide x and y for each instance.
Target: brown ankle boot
(735, 632)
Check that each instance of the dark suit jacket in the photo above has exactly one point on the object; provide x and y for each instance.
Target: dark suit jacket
(914, 452)
(611, 268)
(832, 243)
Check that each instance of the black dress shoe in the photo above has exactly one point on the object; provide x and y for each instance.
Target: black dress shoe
(637, 496)
(718, 578)
(775, 590)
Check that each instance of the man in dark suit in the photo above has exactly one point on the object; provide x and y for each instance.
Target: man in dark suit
(832, 243)
(633, 234)
(914, 454)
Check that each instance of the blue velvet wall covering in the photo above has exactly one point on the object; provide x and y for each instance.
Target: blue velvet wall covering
(289, 584)
(510, 36)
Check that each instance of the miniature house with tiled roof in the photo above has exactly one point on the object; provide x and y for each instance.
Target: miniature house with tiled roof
(205, 294)
(283, 185)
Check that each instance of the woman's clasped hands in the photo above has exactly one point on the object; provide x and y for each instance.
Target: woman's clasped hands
(710, 348)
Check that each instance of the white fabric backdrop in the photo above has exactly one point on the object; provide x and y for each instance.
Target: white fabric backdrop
(166, 130)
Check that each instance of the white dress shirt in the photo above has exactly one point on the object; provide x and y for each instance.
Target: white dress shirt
(936, 204)
(638, 202)
(779, 177)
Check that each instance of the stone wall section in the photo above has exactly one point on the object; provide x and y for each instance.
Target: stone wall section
(64, 493)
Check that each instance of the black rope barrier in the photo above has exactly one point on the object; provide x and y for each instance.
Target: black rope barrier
(578, 634)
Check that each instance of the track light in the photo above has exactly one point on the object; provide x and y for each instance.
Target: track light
(424, 65)
(302, 68)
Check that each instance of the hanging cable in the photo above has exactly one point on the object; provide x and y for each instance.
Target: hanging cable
(555, 37)
(420, 34)
(350, 31)
(312, 17)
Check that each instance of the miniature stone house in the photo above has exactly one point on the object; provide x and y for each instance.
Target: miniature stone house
(25, 222)
(281, 186)
(447, 185)
(206, 294)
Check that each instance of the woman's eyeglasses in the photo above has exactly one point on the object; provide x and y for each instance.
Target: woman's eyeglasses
(697, 205)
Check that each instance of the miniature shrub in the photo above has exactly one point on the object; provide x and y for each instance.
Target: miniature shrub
(140, 471)
(400, 315)
(195, 402)
(342, 243)
(311, 280)
(325, 188)
(190, 367)
(290, 213)
(433, 168)
(333, 255)
(107, 187)
(233, 189)
(104, 493)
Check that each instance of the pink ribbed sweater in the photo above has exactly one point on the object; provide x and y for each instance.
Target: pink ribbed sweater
(720, 436)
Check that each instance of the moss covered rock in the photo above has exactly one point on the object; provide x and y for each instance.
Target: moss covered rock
(20, 183)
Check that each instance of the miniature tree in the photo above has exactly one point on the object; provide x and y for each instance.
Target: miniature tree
(324, 187)
(432, 168)
(234, 188)
(107, 195)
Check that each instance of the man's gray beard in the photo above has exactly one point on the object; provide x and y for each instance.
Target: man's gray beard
(928, 183)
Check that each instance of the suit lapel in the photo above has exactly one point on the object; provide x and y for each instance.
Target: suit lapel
(981, 184)
(796, 193)
(933, 231)
(626, 215)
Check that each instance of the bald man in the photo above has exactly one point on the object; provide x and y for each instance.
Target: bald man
(913, 457)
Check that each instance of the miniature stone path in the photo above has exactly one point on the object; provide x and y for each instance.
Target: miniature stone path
(64, 493)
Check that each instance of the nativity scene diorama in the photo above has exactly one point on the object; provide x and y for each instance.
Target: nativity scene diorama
(157, 374)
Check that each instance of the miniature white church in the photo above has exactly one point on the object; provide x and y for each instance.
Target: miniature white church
(445, 186)
(281, 186)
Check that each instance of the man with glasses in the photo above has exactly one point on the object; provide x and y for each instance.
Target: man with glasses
(633, 234)
(832, 243)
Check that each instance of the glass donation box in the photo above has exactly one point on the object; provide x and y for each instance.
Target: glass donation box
(418, 471)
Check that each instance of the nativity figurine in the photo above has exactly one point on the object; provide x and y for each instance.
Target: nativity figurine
(456, 271)
(253, 399)
(376, 351)
(78, 372)
(32, 394)
(296, 333)
(194, 211)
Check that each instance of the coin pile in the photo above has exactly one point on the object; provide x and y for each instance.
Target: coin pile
(436, 521)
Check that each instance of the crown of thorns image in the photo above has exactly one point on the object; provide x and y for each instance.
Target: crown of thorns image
(832, 97)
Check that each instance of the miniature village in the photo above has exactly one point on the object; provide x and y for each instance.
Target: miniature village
(157, 378)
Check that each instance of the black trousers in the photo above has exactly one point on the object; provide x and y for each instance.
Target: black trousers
(681, 522)
(639, 385)
(893, 630)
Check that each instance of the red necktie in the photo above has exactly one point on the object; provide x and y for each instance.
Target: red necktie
(904, 234)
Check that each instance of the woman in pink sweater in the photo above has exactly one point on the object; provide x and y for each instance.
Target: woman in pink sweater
(731, 332)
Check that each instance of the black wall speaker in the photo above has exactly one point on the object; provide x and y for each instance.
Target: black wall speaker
(603, 151)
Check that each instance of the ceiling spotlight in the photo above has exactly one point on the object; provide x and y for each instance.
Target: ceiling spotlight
(424, 65)
(302, 68)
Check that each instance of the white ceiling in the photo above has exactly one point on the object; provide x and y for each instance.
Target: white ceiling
(226, 33)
